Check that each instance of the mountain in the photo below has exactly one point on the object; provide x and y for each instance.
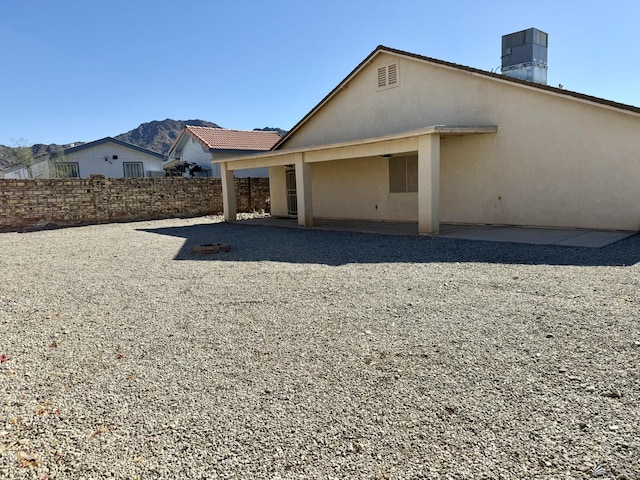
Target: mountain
(7, 154)
(159, 135)
(280, 131)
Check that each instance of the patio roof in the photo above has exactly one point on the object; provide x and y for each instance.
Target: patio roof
(386, 144)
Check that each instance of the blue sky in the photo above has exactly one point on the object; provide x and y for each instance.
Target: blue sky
(83, 70)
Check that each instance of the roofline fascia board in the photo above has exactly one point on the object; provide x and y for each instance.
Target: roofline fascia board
(232, 150)
(176, 142)
(120, 143)
(363, 64)
(548, 89)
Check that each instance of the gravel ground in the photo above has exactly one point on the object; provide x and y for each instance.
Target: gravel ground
(307, 354)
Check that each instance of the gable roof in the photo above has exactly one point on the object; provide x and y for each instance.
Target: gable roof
(225, 139)
(95, 143)
(476, 71)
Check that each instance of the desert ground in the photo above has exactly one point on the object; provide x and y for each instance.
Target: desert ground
(308, 354)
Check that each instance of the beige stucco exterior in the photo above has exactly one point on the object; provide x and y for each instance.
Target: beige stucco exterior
(554, 161)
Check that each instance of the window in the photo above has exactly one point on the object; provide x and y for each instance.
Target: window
(403, 174)
(133, 169)
(388, 76)
(67, 170)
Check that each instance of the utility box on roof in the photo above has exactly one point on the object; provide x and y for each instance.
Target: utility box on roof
(524, 55)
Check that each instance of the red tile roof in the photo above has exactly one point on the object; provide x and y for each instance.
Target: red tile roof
(224, 139)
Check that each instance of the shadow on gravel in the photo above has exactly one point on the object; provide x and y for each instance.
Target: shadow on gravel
(252, 243)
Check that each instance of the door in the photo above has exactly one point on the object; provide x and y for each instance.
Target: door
(292, 194)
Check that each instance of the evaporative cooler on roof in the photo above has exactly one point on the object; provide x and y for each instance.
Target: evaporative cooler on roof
(524, 55)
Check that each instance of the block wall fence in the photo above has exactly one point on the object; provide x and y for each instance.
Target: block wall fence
(37, 204)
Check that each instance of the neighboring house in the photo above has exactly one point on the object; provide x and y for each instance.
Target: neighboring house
(196, 147)
(410, 138)
(40, 168)
(108, 156)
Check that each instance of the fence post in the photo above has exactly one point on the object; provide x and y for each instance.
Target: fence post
(100, 194)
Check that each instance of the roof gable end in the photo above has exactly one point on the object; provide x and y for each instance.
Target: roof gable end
(471, 70)
(102, 141)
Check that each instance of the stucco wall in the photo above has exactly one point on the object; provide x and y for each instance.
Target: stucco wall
(359, 189)
(91, 161)
(194, 152)
(555, 161)
(28, 204)
(278, 191)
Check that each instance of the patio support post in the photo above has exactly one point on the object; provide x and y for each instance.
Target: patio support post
(228, 193)
(429, 184)
(303, 188)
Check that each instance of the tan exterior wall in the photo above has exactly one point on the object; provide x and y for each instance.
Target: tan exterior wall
(359, 189)
(277, 191)
(555, 161)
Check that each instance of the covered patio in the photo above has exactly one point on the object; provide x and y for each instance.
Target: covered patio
(423, 142)
(565, 237)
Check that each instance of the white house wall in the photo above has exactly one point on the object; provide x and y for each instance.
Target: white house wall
(194, 152)
(555, 161)
(38, 170)
(262, 172)
(91, 161)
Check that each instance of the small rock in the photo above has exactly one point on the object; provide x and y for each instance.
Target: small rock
(614, 427)
(613, 393)
(590, 388)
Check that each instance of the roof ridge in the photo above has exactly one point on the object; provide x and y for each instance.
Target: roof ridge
(498, 76)
(232, 129)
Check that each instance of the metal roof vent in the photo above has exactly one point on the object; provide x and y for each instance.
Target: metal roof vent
(524, 55)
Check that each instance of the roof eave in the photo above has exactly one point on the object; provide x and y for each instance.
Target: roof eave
(115, 141)
(443, 130)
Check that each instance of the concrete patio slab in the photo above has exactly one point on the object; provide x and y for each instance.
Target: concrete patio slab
(487, 233)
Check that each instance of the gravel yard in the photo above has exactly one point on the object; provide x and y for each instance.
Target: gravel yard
(308, 354)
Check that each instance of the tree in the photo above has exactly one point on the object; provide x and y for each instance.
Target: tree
(53, 165)
(22, 157)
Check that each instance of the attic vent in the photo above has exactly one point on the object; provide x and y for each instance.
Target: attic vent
(388, 76)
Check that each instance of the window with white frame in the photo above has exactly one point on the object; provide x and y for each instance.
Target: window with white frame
(388, 76)
(133, 169)
(403, 174)
(67, 170)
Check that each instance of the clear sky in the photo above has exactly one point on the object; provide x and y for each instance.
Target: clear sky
(81, 70)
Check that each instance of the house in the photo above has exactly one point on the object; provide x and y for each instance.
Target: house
(196, 148)
(108, 156)
(409, 138)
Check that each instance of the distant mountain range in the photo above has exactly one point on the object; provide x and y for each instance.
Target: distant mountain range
(156, 135)
(160, 135)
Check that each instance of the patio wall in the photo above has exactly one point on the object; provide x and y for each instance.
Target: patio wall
(36, 204)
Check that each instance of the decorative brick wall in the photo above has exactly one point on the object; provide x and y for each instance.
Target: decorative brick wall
(34, 204)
